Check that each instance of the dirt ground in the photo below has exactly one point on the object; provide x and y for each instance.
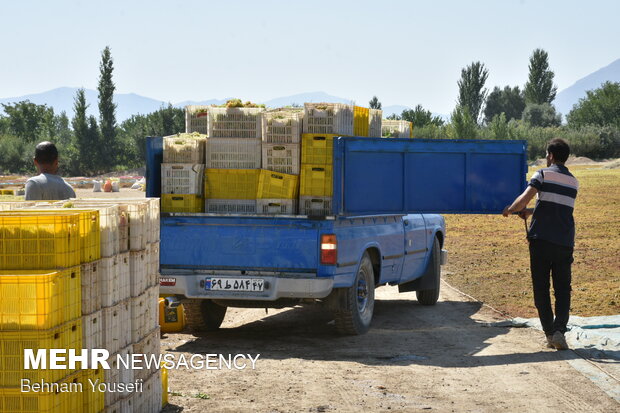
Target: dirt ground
(445, 358)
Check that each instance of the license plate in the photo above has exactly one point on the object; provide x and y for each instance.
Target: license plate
(234, 284)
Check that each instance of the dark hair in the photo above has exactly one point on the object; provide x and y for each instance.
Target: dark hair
(45, 153)
(559, 148)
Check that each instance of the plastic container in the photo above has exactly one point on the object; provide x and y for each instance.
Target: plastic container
(316, 180)
(164, 386)
(196, 119)
(153, 272)
(396, 129)
(12, 399)
(139, 314)
(282, 126)
(153, 216)
(234, 122)
(37, 300)
(231, 183)
(149, 345)
(10, 205)
(152, 307)
(361, 121)
(282, 158)
(149, 400)
(109, 282)
(118, 373)
(117, 326)
(92, 401)
(330, 118)
(92, 330)
(315, 205)
(182, 178)
(181, 203)
(13, 343)
(276, 206)
(233, 153)
(184, 148)
(41, 241)
(230, 206)
(91, 287)
(374, 127)
(124, 277)
(109, 221)
(277, 185)
(317, 149)
(171, 319)
(139, 264)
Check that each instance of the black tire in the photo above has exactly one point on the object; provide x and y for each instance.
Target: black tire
(203, 315)
(430, 297)
(355, 305)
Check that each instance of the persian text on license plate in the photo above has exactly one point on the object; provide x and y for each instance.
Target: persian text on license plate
(234, 284)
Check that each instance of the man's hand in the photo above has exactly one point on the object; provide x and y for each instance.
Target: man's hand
(526, 213)
(506, 211)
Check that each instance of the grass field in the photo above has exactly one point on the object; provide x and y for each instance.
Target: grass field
(489, 257)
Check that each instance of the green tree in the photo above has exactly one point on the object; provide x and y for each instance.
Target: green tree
(463, 124)
(510, 101)
(472, 93)
(394, 116)
(499, 127)
(421, 117)
(600, 107)
(539, 88)
(86, 150)
(107, 109)
(542, 115)
(29, 121)
(374, 103)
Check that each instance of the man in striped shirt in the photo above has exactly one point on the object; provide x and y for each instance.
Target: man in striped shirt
(552, 237)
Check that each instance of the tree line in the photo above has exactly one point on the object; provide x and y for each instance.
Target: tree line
(510, 112)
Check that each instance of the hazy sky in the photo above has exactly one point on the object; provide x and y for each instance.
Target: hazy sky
(405, 52)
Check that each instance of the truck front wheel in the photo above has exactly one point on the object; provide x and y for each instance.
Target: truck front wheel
(355, 305)
(203, 315)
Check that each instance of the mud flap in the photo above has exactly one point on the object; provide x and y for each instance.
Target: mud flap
(428, 281)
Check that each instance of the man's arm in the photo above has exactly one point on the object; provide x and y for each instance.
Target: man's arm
(521, 202)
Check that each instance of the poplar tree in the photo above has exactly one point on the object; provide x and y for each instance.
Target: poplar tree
(107, 109)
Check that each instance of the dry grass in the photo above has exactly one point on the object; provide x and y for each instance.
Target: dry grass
(489, 257)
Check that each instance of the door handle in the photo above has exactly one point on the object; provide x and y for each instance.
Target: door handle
(406, 222)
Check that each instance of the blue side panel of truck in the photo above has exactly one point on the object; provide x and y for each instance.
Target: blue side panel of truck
(398, 176)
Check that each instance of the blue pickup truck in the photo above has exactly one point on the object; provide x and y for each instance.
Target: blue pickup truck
(384, 229)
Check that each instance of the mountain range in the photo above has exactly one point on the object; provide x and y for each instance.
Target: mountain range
(128, 104)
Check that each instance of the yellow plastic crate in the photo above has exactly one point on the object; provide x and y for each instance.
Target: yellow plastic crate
(13, 343)
(181, 203)
(316, 180)
(90, 231)
(317, 149)
(164, 386)
(277, 185)
(39, 241)
(12, 399)
(92, 401)
(231, 183)
(36, 300)
(361, 120)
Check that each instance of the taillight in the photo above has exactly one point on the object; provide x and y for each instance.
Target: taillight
(329, 249)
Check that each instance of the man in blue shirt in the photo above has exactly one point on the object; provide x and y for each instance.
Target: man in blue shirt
(552, 237)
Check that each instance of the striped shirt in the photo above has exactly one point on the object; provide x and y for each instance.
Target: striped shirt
(553, 215)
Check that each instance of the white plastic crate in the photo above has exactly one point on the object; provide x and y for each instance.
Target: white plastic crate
(328, 118)
(153, 216)
(113, 407)
(92, 330)
(234, 122)
(149, 400)
(282, 126)
(112, 318)
(276, 206)
(182, 178)
(118, 373)
(283, 158)
(395, 128)
(139, 311)
(124, 278)
(149, 345)
(374, 127)
(125, 328)
(91, 287)
(230, 206)
(152, 307)
(128, 403)
(196, 119)
(139, 263)
(315, 205)
(153, 275)
(233, 153)
(184, 148)
(109, 284)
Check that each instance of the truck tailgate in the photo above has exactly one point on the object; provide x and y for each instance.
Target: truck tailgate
(270, 244)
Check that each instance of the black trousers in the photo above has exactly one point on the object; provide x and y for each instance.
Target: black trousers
(555, 260)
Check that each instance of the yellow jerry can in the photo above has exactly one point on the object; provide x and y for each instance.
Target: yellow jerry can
(171, 315)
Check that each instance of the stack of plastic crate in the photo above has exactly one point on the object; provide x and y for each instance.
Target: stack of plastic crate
(374, 127)
(233, 156)
(41, 254)
(396, 129)
(281, 153)
(182, 173)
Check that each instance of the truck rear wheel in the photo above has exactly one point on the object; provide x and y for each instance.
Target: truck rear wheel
(355, 305)
(430, 297)
(203, 315)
